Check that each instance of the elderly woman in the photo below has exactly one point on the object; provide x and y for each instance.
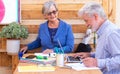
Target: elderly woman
(54, 34)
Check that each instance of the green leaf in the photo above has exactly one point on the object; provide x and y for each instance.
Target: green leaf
(14, 30)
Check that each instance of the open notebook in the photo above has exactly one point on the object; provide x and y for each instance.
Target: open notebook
(80, 66)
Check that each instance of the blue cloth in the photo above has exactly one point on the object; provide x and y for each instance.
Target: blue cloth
(64, 34)
(108, 48)
(20, 54)
(52, 32)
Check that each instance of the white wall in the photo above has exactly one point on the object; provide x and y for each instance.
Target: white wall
(117, 20)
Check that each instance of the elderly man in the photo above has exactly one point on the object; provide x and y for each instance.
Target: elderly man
(107, 53)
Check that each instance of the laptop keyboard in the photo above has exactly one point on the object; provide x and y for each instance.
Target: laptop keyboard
(73, 59)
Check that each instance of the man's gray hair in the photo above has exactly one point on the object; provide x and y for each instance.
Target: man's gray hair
(47, 5)
(91, 8)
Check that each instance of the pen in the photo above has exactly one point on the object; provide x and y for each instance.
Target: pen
(65, 66)
(94, 40)
(81, 61)
(60, 46)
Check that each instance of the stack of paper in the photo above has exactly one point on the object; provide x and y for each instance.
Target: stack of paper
(79, 66)
(49, 60)
(41, 54)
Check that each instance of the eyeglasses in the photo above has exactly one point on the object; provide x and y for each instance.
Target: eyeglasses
(54, 12)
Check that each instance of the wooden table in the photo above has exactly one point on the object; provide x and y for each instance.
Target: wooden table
(58, 70)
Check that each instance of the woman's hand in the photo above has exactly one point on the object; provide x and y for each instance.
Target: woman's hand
(24, 49)
(47, 51)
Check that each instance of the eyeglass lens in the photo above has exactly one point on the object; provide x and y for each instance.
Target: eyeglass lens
(54, 12)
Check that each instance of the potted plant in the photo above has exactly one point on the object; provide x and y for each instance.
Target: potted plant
(13, 32)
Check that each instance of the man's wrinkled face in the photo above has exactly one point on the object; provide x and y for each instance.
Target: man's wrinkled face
(91, 22)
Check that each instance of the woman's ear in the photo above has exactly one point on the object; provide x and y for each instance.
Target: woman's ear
(45, 16)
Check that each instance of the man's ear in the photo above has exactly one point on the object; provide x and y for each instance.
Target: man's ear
(96, 16)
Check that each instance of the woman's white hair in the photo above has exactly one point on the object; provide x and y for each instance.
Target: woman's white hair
(91, 8)
(47, 5)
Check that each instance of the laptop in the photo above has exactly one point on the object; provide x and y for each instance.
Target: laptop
(71, 59)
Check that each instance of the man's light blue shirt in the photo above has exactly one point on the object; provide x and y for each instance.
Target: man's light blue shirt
(108, 48)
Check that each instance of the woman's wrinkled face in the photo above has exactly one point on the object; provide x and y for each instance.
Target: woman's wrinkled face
(52, 14)
(91, 22)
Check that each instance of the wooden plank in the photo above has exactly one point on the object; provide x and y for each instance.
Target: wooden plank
(0, 59)
(1, 27)
(105, 4)
(79, 28)
(60, 6)
(5, 59)
(78, 38)
(15, 61)
(32, 29)
(68, 14)
(57, 1)
(76, 28)
(77, 41)
(0, 42)
(112, 10)
(32, 22)
(69, 6)
(28, 14)
(37, 22)
(3, 50)
(5, 70)
(38, 49)
(31, 7)
(3, 43)
(31, 38)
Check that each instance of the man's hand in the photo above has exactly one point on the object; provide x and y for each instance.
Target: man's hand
(90, 62)
(82, 55)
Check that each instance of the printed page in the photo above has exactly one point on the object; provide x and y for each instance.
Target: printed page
(79, 66)
(35, 68)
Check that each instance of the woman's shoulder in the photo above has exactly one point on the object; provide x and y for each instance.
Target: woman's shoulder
(64, 23)
(43, 24)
